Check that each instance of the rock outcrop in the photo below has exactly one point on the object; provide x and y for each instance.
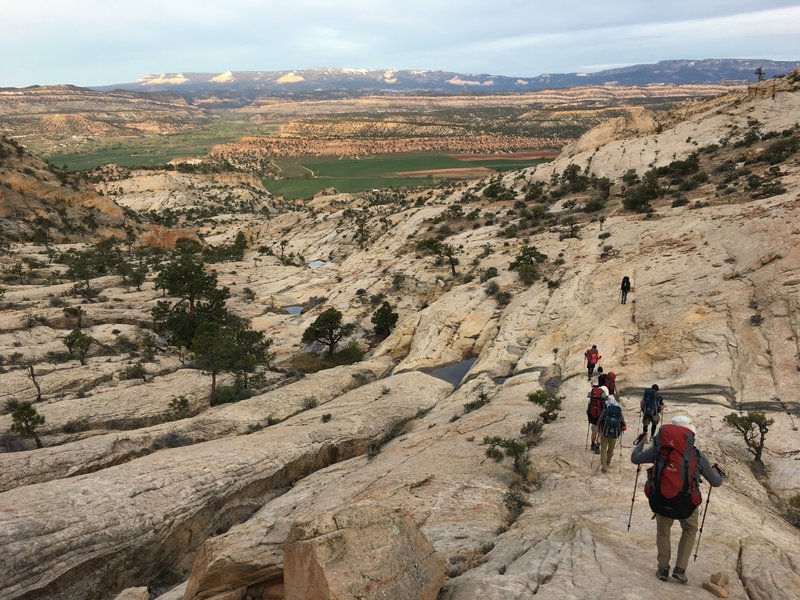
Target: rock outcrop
(360, 551)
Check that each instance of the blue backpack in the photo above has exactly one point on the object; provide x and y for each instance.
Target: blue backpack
(612, 425)
(650, 408)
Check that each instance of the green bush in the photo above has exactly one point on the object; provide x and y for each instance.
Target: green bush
(549, 401)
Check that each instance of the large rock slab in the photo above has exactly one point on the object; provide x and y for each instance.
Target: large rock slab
(95, 453)
(361, 551)
(84, 536)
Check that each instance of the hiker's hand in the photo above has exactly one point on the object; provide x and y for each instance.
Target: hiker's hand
(640, 438)
(719, 470)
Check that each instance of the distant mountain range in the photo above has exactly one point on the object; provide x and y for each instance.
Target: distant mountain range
(251, 84)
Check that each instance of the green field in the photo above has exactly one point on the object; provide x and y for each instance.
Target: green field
(159, 149)
(304, 177)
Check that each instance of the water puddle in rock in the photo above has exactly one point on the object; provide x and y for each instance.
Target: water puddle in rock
(293, 310)
(316, 264)
(454, 372)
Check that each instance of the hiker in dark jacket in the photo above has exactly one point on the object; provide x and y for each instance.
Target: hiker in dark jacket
(712, 474)
(601, 378)
(651, 407)
(624, 288)
(611, 425)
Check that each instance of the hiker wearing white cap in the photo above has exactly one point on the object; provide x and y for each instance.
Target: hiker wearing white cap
(611, 425)
(673, 488)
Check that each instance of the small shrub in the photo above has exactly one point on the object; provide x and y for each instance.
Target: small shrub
(224, 394)
(680, 201)
(326, 417)
(475, 404)
(76, 425)
(488, 274)
(172, 440)
(503, 298)
(549, 401)
(756, 320)
(528, 273)
(491, 288)
(309, 403)
(178, 408)
(500, 447)
(136, 371)
(124, 344)
(532, 432)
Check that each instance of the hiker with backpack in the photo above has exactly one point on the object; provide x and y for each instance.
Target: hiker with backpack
(651, 407)
(592, 356)
(597, 404)
(611, 382)
(611, 425)
(624, 288)
(673, 489)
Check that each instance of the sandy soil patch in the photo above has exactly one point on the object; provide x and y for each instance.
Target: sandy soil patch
(465, 172)
(508, 156)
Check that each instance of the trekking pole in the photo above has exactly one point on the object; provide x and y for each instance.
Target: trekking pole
(705, 512)
(588, 427)
(633, 497)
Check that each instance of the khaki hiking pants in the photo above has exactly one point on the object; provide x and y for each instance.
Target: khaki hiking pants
(688, 535)
(607, 445)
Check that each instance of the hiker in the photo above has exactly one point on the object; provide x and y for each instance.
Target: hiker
(624, 288)
(651, 407)
(611, 425)
(673, 489)
(597, 404)
(601, 378)
(592, 357)
(611, 382)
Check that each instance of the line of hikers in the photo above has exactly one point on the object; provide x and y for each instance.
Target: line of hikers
(673, 480)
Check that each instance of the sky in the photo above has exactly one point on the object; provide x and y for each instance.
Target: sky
(100, 42)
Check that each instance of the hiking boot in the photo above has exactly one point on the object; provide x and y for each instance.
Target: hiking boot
(663, 574)
(679, 574)
(604, 470)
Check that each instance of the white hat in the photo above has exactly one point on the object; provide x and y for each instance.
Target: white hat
(605, 390)
(684, 421)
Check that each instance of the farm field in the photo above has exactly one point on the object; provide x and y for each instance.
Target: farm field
(152, 150)
(304, 177)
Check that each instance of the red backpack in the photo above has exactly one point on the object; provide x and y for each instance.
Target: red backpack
(673, 482)
(596, 404)
(611, 382)
(592, 356)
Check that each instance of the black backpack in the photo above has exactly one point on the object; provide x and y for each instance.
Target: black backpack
(650, 403)
(612, 424)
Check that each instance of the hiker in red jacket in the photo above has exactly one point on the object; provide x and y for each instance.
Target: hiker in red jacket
(592, 356)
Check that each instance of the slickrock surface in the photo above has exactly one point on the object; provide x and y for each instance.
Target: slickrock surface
(169, 502)
(208, 501)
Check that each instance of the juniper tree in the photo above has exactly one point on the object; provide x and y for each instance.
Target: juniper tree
(328, 330)
(25, 420)
(753, 427)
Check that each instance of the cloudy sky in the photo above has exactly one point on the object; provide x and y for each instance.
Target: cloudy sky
(95, 42)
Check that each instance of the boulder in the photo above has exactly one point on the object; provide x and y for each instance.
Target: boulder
(364, 551)
(135, 593)
(718, 584)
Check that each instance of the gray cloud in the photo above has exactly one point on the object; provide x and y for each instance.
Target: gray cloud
(97, 41)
